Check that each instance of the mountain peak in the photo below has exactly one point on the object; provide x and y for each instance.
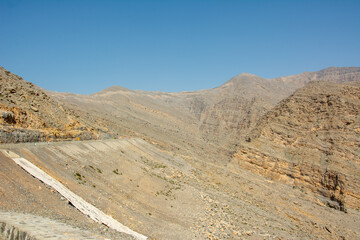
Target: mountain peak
(243, 78)
(113, 89)
(246, 75)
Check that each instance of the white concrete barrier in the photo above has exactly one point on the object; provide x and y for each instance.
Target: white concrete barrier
(85, 207)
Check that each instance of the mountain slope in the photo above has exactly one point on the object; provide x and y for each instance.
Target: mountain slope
(311, 139)
(240, 102)
(174, 174)
(29, 114)
(165, 196)
(236, 105)
(212, 120)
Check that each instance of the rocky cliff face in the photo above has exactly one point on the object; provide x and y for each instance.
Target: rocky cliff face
(311, 139)
(236, 106)
(233, 108)
(28, 114)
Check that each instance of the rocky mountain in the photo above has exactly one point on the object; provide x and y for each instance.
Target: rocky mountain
(215, 116)
(253, 158)
(238, 104)
(311, 140)
(331, 74)
(29, 114)
(205, 121)
(234, 107)
(208, 124)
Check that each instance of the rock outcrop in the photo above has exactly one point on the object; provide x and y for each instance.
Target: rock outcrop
(311, 139)
(29, 114)
(235, 107)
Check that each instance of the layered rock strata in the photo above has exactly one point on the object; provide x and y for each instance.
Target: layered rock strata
(312, 140)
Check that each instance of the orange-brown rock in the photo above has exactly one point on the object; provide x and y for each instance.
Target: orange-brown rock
(28, 114)
(311, 139)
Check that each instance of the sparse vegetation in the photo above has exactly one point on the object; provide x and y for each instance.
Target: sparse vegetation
(116, 171)
(78, 176)
(159, 165)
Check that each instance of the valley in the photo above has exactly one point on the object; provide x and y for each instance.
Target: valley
(253, 158)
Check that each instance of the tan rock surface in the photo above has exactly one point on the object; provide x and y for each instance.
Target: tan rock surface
(172, 174)
(310, 140)
(28, 114)
(212, 116)
(165, 196)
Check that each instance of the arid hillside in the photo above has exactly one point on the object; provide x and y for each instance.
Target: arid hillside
(165, 195)
(29, 114)
(215, 116)
(311, 140)
(236, 106)
(253, 158)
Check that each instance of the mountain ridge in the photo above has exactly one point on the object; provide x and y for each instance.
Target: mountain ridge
(257, 157)
(244, 75)
(311, 139)
(220, 114)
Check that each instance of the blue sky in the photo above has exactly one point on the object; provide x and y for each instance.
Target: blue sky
(85, 46)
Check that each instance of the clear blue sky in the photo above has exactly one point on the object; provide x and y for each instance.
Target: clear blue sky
(85, 46)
